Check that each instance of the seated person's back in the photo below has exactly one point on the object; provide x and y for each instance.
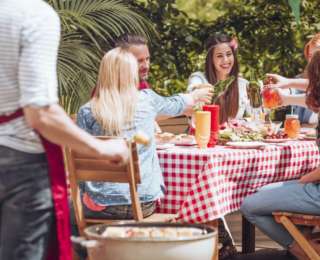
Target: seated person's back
(119, 109)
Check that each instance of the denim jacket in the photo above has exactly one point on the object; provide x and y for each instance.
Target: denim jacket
(149, 105)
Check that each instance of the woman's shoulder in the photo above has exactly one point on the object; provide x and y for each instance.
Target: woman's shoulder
(198, 74)
(147, 97)
(85, 110)
(242, 84)
(242, 81)
(147, 93)
(196, 78)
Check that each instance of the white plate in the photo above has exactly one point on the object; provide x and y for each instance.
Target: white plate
(185, 144)
(184, 141)
(164, 146)
(310, 137)
(307, 130)
(276, 141)
(246, 145)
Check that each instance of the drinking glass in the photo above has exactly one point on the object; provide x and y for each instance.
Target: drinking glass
(214, 129)
(292, 126)
(203, 124)
(271, 98)
(254, 94)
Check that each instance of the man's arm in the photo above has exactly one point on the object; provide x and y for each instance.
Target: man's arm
(40, 38)
(293, 100)
(55, 125)
(283, 82)
(300, 84)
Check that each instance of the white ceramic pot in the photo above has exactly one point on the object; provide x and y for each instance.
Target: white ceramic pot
(198, 247)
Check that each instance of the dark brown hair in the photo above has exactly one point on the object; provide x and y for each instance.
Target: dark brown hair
(126, 40)
(313, 89)
(229, 102)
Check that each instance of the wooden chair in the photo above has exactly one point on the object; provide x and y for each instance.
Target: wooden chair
(73, 117)
(175, 125)
(290, 220)
(87, 168)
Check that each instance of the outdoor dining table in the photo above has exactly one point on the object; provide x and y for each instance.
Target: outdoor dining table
(206, 184)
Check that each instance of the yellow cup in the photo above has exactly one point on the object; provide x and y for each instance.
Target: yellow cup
(203, 124)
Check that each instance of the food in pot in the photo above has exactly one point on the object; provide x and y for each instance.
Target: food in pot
(152, 232)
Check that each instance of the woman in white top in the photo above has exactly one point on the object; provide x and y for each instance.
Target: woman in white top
(221, 62)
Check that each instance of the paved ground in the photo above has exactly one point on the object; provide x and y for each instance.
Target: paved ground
(265, 254)
(266, 249)
(262, 241)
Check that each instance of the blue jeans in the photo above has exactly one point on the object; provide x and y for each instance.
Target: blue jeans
(26, 206)
(286, 196)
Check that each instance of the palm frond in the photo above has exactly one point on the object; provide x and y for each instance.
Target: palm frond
(88, 27)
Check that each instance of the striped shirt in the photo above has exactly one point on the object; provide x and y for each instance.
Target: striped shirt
(29, 39)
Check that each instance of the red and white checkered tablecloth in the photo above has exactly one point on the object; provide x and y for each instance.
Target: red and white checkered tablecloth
(203, 185)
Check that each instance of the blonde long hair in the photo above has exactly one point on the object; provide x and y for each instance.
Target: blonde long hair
(113, 104)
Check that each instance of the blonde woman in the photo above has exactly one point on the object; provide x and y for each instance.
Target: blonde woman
(118, 108)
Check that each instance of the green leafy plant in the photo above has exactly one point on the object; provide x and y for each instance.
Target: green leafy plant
(88, 28)
(269, 37)
(295, 6)
(221, 87)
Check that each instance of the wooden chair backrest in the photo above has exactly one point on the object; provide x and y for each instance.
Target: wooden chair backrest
(175, 125)
(89, 168)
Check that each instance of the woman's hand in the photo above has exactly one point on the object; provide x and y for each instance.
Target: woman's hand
(278, 81)
(203, 85)
(202, 95)
(310, 177)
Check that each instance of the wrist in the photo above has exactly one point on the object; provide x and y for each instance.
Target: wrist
(289, 83)
(188, 99)
(193, 96)
(95, 148)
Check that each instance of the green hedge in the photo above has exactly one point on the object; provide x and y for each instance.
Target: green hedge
(270, 40)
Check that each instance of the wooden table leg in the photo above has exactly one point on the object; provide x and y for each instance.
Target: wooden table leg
(248, 236)
(214, 224)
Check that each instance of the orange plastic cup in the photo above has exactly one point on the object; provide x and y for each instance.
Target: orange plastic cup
(292, 126)
(203, 125)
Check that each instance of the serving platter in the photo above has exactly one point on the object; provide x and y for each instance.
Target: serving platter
(310, 137)
(276, 140)
(164, 146)
(247, 145)
(184, 140)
